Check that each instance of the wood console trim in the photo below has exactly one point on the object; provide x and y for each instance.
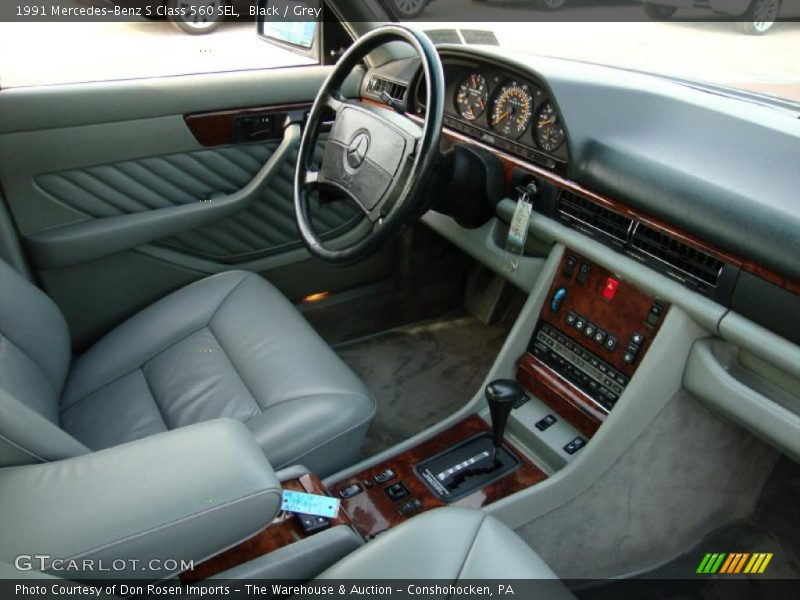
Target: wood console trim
(283, 530)
(372, 511)
(215, 128)
(560, 395)
(621, 317)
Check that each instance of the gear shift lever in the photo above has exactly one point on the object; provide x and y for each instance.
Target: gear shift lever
(502, 395)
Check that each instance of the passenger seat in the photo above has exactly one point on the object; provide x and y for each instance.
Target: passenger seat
(450, 544)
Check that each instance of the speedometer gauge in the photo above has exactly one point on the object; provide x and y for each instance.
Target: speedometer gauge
(549, 131)
(512, 110)
(471, 96)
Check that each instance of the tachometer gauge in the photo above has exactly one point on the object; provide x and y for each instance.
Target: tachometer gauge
(549, 131)
(471, 96)
(512, 110)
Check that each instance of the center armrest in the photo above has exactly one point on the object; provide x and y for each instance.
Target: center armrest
(182, 495)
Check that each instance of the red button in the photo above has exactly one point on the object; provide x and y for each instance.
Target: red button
(610, 289)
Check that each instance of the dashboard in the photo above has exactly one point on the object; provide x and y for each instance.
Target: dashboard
(501, 107)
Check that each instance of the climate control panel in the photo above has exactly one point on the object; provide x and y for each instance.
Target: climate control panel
(593, 332)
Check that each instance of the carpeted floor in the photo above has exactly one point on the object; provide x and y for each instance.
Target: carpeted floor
(421, 373)
(773, 527)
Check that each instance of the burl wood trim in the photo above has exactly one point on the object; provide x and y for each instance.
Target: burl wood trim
(373, 512)
(284, 530)
(216, 128)
(511, 163)
(560, 395)
(621, 317)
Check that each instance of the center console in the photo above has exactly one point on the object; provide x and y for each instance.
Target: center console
(588, 341)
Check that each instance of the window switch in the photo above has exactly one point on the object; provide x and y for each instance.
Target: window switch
(385, 476)
(575, 445)
(410, 506)
(312, 523)
(351, 490)
(397, 491)
(545, 422)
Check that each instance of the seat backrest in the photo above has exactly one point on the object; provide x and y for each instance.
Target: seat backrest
(34, 360)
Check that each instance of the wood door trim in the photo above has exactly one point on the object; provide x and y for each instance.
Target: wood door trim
(215, 128)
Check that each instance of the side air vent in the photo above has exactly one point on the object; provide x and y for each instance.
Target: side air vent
(377, 85)
(572, 207)
(667, 249)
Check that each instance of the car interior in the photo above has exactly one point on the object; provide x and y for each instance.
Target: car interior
(520, 317)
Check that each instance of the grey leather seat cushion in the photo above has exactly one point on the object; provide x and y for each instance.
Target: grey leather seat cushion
(227, 346)
(450, 544)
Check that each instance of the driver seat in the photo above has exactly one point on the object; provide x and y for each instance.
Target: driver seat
(229, 345)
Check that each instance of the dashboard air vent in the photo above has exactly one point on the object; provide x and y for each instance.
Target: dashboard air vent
(572, 207)
(378, 85)
(670, 250)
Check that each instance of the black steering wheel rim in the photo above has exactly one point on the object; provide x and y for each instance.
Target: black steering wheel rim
(405, 200)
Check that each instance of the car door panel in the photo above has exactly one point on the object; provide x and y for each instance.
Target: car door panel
(74, 156)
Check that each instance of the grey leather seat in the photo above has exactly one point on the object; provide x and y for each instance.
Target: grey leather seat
(229, 345)
(451, 544)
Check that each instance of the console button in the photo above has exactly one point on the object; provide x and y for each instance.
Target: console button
(575, 445)
(351, 490)
(545, 422)
(569, 267)
(580, 323)
(610, 288)
(397, 491)
(558, 299)
(583, 273)
(367, 483)
(599, 336)
(410, 506)
(611, 343)
(385, 476)
(589, 330)
(637, 339)
(571, 316)
(312, 523)
(630, 355)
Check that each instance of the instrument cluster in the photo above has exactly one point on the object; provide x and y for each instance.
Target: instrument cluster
(505, 110)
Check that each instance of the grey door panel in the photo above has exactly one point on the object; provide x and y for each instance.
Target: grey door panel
(75, 155)
(137, 186)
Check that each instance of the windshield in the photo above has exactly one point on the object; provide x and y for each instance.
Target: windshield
(753, 56)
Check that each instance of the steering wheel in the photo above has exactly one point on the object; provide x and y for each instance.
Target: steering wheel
(375, 157)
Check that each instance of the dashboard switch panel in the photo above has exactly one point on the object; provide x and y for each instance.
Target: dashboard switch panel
(586, 349)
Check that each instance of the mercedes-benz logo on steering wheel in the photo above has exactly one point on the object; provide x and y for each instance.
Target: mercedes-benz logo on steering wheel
(357, 150)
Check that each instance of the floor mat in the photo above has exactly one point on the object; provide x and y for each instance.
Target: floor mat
(774, 527)
(422, 373)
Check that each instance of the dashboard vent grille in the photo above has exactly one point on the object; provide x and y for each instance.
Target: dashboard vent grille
(670, 250)
(576, 208)
(378, 85)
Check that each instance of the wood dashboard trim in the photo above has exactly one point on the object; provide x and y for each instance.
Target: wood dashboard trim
(510, 162)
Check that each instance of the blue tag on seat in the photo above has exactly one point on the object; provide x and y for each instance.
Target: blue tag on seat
(310, 504)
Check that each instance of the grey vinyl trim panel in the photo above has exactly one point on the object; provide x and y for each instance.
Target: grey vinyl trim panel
(711, 376)
(79, 242)
(266, 227)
